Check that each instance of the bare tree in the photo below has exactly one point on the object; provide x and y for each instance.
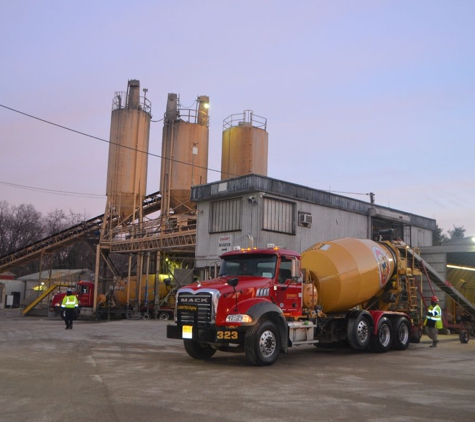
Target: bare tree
(54, 222)
(20, 226)
(23, 225)
(5, 219)
(77, 255)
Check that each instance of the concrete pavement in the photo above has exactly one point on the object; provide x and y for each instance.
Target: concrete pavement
(129, 371)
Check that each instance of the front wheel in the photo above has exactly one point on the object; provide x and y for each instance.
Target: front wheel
(401, 334)
(262, 343)
(201, 351)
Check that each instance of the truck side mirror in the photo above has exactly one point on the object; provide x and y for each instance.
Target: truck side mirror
(295, 269)
(233, 282)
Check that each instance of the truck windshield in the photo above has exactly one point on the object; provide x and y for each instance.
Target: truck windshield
(255, 265)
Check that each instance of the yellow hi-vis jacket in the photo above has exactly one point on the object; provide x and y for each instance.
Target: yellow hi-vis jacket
(70, 301)
(434, 313)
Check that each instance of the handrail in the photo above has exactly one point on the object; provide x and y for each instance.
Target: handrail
(42, 296)
(246, 118)
(120, 101)
(190, 115)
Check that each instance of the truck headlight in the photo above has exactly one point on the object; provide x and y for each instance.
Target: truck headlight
(238, 318)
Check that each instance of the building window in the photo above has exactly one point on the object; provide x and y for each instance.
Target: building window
(278, 216)
(380, 226)
(225, 216)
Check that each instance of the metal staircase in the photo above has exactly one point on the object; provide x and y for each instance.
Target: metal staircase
(434, 277)
(31, 302)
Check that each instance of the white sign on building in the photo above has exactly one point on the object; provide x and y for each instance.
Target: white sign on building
(225, 243)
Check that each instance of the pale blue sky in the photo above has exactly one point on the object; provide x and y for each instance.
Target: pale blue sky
(360, 96)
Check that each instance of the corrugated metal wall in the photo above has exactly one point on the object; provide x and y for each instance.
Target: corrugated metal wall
(264, 224)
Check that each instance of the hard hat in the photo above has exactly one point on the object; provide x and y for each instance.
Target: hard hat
(434, 299)
(69, 291)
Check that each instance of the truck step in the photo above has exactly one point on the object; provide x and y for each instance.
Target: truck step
(298, 343)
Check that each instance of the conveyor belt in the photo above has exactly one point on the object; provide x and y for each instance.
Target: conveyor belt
(87, 229)
(442, 284)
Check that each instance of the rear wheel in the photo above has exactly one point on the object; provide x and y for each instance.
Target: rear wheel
(464, 336)
(401, 334)
(163, 316)
(381, 341)
(197, 350)
(101, 314)
(359, 331)
(262, 343)
(416, 334)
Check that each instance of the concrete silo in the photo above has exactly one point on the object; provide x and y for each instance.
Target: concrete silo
(128, 151)
(244, 146)
(184, 153)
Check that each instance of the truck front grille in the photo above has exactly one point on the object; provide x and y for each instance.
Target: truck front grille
(194, 308)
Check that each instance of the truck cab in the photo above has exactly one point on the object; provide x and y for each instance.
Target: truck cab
(84, 291)
(271, 275)
(254, 288)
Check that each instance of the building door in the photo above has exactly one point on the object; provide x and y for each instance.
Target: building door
(16, 299)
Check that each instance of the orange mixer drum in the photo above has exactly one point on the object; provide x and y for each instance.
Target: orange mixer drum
(348, 272)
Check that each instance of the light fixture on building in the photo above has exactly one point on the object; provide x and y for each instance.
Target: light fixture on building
(457, 267)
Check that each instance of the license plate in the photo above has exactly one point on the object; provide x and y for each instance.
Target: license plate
(187, 331)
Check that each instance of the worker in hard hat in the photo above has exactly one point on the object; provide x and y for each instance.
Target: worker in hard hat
(433, 321)
(69, 305)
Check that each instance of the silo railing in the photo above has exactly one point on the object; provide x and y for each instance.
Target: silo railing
(120, 101)
(190, 115)
(246, 118)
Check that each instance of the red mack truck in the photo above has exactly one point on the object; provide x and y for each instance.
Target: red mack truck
(264, 301)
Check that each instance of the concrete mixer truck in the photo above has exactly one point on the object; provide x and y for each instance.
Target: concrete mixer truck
(349, 291)
(123, 292)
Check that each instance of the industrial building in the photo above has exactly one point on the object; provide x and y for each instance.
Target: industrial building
(255, 211)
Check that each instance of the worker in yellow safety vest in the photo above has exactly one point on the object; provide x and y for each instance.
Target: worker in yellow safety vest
(433, 321)
(69, 305)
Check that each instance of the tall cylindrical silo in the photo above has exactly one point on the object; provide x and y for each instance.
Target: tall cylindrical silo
(184, 153)
(244, 146)
(128, 150)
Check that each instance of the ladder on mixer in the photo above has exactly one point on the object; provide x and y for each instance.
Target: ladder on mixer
(411, 288)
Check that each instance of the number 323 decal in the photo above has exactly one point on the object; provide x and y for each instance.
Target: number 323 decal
(226, 335)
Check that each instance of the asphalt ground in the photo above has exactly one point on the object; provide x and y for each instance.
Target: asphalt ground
(127, 370)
